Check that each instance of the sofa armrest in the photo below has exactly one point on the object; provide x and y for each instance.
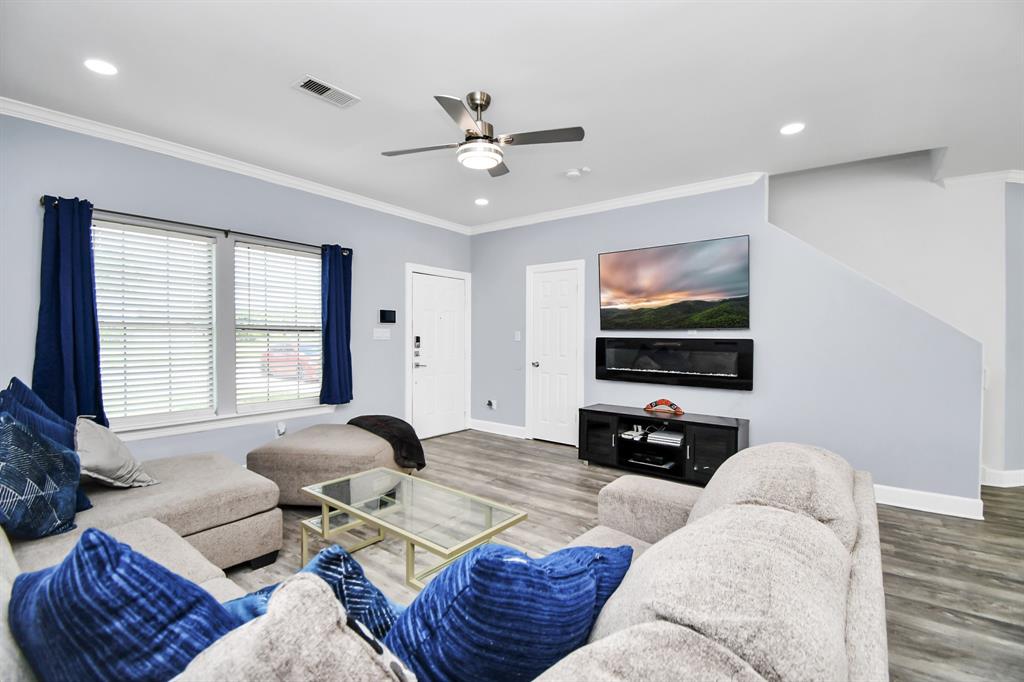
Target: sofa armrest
(646, 508)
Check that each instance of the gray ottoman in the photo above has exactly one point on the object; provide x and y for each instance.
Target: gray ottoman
(319, 453)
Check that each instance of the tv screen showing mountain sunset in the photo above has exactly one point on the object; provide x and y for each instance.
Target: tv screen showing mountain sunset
(696, 285)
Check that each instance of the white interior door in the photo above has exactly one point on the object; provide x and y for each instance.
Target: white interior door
(438, 354)
(554, 351)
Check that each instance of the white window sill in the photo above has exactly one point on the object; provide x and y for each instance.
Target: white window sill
(211, 422)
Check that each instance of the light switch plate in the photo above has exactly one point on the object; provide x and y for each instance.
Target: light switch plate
(517, 336)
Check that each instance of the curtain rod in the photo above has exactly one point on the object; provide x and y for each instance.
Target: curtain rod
(225, 232)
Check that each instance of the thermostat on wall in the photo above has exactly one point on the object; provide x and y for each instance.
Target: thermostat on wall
(387, 317)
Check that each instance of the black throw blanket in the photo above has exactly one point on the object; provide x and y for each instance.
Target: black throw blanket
(404, 441)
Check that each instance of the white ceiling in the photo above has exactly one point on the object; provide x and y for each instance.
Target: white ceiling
(669, 93)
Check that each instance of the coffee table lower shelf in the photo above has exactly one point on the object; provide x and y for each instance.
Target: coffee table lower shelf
(314, 525)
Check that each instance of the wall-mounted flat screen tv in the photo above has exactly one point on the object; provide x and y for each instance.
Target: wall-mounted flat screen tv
(696, 285)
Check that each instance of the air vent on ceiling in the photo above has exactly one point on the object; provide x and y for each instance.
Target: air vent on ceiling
(327, 93)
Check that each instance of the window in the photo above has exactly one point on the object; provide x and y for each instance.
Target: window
(155, 303)
(278, 343)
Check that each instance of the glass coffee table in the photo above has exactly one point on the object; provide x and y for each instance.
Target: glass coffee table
(441, 520)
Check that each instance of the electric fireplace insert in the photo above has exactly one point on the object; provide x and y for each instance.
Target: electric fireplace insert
(709, 363)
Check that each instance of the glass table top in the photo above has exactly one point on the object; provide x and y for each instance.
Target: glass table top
(412, 506)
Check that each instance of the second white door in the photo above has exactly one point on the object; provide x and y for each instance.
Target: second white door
(439, 354)
(554, 351)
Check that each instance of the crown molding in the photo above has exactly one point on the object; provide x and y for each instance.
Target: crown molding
(77, 124)
(1016, 176)
(677, 192)
(84, 126)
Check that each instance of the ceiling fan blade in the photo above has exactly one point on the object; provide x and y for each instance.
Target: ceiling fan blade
(400, 152)
(459, 113)
(543, 136)
(500, 169)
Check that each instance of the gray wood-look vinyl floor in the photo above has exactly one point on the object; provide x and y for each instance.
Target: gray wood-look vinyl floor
(954, 588)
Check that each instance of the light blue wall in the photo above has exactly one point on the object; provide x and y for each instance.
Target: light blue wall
(37, 159)
(1014, 326)
(839, 361)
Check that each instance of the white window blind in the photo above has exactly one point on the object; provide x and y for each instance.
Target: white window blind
(278, 345)
(154, 299)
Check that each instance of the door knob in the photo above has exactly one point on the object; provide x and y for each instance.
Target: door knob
(535, 363)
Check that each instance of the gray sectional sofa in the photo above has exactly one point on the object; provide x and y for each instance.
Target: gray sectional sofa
(772, 572)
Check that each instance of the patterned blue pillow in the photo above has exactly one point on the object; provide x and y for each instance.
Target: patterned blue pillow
(360, 597)
(38, 482)
(27, 407)
(496, 614)
(109, 613)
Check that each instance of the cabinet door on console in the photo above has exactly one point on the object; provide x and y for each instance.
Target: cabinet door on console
(598, 436)
(707, 448)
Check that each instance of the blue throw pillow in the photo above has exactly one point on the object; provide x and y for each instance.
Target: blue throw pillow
(56, 431)
(27, 407)
(30, 399)
(609, 565)
(109, 613)
(496, 614)
(360, 597)
(38, 482)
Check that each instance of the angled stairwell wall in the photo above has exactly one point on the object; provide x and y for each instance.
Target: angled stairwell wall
(839, 361)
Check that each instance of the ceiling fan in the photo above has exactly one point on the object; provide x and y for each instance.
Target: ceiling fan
(482, 149)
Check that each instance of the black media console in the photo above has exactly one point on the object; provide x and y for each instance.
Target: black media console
(689, 448)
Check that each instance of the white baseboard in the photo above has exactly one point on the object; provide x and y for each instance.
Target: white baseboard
(498, 428)
(937, 503)
(1002, 478)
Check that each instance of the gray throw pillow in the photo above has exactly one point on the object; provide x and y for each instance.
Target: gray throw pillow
(304, 635)
(106, 458)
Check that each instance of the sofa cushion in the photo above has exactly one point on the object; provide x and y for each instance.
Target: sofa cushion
(644, 507)
(38, 482)
(768, 584)
(305, 635)
(222, 589)
(800, 478)
(652, 652)
(107, 612)
(146, 536)
(603, 536)
(196, 493)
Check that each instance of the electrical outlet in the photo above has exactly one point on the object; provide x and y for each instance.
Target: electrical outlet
(493, 404)
(282, 428)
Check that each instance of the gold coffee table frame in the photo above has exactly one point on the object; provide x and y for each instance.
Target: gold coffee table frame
(320, 526)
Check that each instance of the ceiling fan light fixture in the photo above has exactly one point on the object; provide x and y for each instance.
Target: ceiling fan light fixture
(479, 155)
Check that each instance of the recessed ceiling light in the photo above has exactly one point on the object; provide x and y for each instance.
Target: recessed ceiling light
(481, 202)
(792, 128)
(101, 67)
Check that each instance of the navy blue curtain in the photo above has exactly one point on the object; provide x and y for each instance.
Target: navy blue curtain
(66, 373)
(336, 297)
